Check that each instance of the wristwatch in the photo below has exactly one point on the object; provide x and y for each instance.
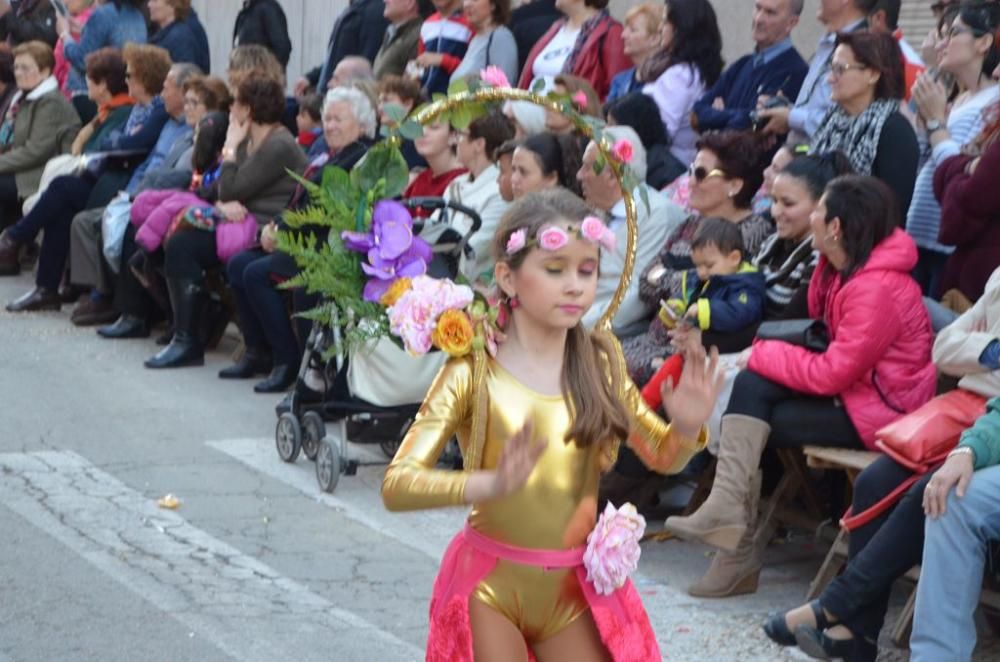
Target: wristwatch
(964, 450)
(934, 125)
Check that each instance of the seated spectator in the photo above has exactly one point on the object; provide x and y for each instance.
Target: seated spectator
(271, 345)
(723, 294)
(399, 45)
(28, 20)
(866, 79)
(640, 112)
(113, 24)
(358, 30)
(782, 157)
(949, 125)
(788, 396)
(970, 204)
(774, 68)
(253, 183)
(40, 124)
(80, 10)
(690, 60)
(175, 33)
(655, 223)
(725, 174)
(529, 21)
(437, 147)
(492, 43)
(147, 68)
(849, 613)
(504, 157)
(545, 161)
(263, 22)
(405, 93)
(959, 529)
(107, 88)
(444, 40)
(571, 87)
(309, 122)
(478, 190)
(641, 38)
(587, 43)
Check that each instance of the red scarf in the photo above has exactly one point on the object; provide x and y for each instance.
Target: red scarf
(116, 102)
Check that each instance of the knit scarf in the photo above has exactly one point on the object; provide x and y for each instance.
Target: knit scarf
(585, 31)
(857, 137)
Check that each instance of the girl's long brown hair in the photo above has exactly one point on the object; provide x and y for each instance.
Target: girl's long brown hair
(589, 382)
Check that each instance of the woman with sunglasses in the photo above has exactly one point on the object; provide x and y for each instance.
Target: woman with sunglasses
(726, 173)
(866, 80)
(968, 54)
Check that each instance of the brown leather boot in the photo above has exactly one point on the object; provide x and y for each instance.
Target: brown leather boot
(737, 572)
(10, 250)
(722, 520)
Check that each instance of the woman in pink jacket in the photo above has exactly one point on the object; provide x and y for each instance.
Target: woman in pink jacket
(877, 366)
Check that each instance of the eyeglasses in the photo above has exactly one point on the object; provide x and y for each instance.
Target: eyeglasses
(838, 69)
(701, 173)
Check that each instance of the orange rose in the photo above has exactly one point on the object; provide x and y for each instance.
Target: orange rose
(395, 291)
(453, 333)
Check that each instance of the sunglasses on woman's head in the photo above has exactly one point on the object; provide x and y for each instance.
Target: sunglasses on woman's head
(701, 173)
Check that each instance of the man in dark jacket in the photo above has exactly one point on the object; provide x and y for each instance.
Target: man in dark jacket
(358, 31)
(27, 20)
(263, 22)
(399, 45)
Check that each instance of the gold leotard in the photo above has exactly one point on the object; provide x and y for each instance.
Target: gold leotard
(556, 508)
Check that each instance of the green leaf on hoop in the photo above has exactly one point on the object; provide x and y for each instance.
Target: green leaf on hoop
(394, 112)
(464, 114)
(644, 194)
(382, 161)
(411, 130)
(599, 164)
(437, 96)
(458, 87)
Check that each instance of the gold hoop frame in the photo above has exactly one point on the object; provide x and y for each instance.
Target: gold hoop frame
(431, 112)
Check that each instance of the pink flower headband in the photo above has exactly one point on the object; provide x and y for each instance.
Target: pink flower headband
(554, 238)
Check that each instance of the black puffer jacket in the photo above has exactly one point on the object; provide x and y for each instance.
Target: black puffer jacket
(263, 22)
(29, 20)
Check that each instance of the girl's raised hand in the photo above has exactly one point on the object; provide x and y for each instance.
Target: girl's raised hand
(690, 403)
(520, 455)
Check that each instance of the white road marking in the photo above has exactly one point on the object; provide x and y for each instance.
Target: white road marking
(211, 587)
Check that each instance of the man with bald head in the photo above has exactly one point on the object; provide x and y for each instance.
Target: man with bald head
(774, 68)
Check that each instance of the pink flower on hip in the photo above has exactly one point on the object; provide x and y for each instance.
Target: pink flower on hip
(623, 150)
(613, 548)
(517, 240)
(592, 229)
(608, 240)
(494, 75)
(580, 99)
(553, 239)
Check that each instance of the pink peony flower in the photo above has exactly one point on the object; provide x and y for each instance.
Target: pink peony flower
(414, 316)
(517, 240)
(592, 229)
(494, 75)
(553, 239)
(623, 150)
(613, 548)
(608, 240)
(580, 99)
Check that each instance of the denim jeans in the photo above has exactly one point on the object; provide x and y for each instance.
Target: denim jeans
(951, 575)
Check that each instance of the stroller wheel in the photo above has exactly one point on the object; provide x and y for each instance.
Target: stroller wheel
(288, 437)
(328, 466)
(313, 432)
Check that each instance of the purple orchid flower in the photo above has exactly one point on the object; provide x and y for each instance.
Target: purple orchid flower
(392, 250)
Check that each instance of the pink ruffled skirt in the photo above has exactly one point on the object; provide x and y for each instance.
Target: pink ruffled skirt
(620, 617)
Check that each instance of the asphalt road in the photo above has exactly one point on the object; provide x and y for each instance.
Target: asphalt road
(256, 563)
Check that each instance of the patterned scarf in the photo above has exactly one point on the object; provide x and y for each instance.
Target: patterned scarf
(585, 31)
(857, 137)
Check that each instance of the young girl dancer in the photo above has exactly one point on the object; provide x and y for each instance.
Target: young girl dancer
(537, 427)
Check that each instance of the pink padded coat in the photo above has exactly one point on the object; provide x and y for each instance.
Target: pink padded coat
(879, 359)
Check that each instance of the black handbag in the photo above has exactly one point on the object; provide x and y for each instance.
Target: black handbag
(811, 334)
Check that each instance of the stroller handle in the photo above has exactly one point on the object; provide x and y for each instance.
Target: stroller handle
(430, 202)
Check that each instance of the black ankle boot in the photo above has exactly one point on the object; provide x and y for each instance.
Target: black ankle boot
(253, 362)
(281, 378)
(187, 298)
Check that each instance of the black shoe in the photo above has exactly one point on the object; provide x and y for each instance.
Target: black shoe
(252, 363)
(282, 376)
(126, 326)
(776, 627)
(187, 298)
(40, 298)
(816, 644)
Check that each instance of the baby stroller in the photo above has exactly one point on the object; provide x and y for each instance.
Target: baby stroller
(387, 409)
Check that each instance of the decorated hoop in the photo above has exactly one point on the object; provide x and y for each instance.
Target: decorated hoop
(457, 101)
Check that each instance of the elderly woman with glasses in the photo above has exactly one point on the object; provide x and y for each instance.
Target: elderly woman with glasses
(725, 174)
